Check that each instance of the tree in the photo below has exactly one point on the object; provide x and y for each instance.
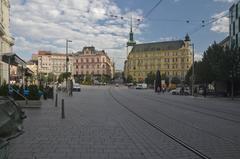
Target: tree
(63, 76)
(129, 79)
(51, 77)
(218, 64)
(166, 78)
(175, 80)
(151, 76)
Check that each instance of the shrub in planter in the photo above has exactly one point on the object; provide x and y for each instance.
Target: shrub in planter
(4, 89)
(16, 96)
(33, 92)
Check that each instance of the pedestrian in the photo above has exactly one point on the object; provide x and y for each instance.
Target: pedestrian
(45, 93)
(71, 88)
(205, 91)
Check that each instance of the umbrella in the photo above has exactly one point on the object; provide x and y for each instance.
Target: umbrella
(158, 80)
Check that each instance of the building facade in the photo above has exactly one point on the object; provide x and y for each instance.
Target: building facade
(55, 63)
(172, 58)
(234, 26)
(92, 62)
(6, 41)
(225, 42)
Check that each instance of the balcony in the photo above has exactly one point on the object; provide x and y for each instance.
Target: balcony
(2, 32)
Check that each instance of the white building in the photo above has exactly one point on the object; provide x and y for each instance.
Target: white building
(6, 41)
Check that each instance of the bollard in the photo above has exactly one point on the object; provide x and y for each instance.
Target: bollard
(56, 100)
(63, 112)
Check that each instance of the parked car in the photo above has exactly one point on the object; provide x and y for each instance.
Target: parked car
(76, 87)
(116, 85)
(180, 91)
(141, 86)
(175, 91)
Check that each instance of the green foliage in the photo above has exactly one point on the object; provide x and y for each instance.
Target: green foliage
(18, 89)
(63, 76)
(151, 76)
(129, 79)
(218, 64)
(51, 77)
(106, 79)
(42, 77)
(78, 78)
(4, 89)
(33, 92)
(175, 80)
(166, 78)
(88, 80)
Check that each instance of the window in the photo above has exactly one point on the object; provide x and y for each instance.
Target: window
(77, 66)
(233, 28)
(76, 61)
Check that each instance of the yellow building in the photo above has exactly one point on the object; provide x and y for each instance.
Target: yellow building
(172, 58)
(6, 41)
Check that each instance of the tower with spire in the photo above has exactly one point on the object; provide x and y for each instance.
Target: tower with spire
(131, 41)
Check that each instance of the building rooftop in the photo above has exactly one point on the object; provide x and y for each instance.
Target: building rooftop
(225, 41)
(157, 46)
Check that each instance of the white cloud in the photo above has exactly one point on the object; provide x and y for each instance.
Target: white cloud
(221, 25)
(44, 25)
(229, 1)
(198, 56)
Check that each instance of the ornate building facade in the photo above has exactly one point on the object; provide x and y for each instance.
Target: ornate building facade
(92, 62)
(6, 41)
(55, 63)
(172, 58)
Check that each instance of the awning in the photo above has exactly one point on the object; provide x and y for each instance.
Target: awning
(28, 72)
(14, 59)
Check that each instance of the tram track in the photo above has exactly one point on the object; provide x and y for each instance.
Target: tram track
(161, 130)
(186, 106)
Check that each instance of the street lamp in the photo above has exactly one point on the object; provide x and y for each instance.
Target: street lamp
(193, 75)
(67, 59)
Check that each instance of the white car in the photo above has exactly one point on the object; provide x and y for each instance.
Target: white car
(76, 87)
(141, 86)
(178, 91)
(175, 91)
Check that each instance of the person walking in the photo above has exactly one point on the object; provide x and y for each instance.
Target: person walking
(71, 88)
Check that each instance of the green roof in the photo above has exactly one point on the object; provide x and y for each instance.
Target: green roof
(157, 46)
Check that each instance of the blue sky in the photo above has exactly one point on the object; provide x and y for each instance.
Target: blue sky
(44, 25)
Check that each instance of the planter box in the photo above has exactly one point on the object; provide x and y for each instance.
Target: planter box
(29, 104)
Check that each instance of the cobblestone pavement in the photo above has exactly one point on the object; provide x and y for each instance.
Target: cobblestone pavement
(97, 126)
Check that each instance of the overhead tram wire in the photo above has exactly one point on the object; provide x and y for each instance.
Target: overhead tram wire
(206, 24)
(152, 9)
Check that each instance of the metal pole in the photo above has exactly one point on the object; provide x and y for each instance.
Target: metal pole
(66, 56)
(23, 78)
(9, 61)
(63, 112)
(66, 64)
(56, 100)
(193, 75)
